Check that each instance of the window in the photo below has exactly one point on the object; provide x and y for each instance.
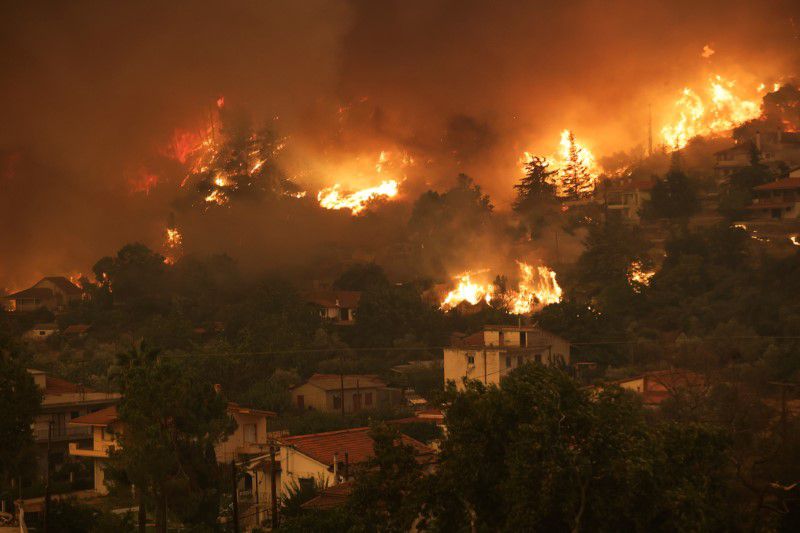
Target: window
(523, 338)
(356, 401)
(508, 361)
(471, 359)
(249, 433)
(42, 332)
(367, 398)
(301, 401)
(337, 402)
(502, 337)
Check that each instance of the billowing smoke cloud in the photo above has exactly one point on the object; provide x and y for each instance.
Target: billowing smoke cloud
(93, 92)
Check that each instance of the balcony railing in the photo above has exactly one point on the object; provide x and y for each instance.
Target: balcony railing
(62, 433)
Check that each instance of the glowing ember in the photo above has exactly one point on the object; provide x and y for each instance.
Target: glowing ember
(638, 277)
(174, 238)
(357, 201)
(794, 240)
(468, 291)
(719, 109)
(537, 288)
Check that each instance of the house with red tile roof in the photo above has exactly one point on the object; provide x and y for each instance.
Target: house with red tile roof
(54, 293)
(625, 196)
(779, 199)
(330, 459)
(250, 439)
(655, 387)
(62, 402)
(337, 307)
(353, 392)
(490, 355)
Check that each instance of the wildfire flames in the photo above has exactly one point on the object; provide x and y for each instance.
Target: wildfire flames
(638, 276)
(537, 288)
(357, 201)
(721, 107)
(468, 291)
(576, 169)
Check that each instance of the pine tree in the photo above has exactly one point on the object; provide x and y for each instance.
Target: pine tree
(576, 180)
(536, 187)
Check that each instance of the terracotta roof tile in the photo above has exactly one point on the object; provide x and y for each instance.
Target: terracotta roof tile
(345, 299)
(103, 417)
(331, 497)
(330, 382)
(356, 442)
(785, 183)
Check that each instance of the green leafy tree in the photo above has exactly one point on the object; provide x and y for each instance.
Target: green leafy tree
(386, 493)
(542, 454)
(674, 197)
(171, 423)
(20, 400)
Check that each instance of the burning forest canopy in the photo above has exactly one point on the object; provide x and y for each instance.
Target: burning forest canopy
(288, 133)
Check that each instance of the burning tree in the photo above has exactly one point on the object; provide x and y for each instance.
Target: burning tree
(238, 160)
(575, 178)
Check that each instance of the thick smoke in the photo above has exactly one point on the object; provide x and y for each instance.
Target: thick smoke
(93, 92)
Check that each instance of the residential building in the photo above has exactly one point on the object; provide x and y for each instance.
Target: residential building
(779, 199)
(54, 293)
(491, 354)
(325, 392)
(625, 197)
(331, 458)
(655, 387)
(63, 402)
(249, 440)
(337, 307)
(775, 147)
(40, 332)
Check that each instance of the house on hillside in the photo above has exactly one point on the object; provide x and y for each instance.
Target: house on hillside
(63, 402)
(776, 148)
(337, 307)
(250, 439)
(332, 458)
(40, 332)
(779, 199)
(54, 293)
(625, 197)
(655, 387)
(491, 354)
(325, 392)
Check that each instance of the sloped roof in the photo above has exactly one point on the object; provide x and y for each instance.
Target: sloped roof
(351, 381)
(330, 497)
(781, 184)
(356, 442)
(101, 418)
(108, 415)
(345, 299)
(64, 284)
(77, 329)
(40, 293)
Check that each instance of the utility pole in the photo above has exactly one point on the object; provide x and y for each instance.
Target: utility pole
(235, 497)
(45, 523)
(273, 488)
(341, 381)
(649, 129)
(258, 505)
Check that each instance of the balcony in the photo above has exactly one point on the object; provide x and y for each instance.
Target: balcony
(78, 451)
(62, 433)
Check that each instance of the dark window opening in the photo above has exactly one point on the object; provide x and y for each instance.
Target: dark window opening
(337, 402)
(523, 338)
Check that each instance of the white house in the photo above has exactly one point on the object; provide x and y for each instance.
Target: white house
(491, 354)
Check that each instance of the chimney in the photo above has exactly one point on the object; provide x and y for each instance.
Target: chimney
(758, 140)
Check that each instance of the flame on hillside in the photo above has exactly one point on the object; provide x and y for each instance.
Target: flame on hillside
(576, 169)
(468, 291)
(638, 276)
(536, 289)
(720, 107)
(356, 201)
